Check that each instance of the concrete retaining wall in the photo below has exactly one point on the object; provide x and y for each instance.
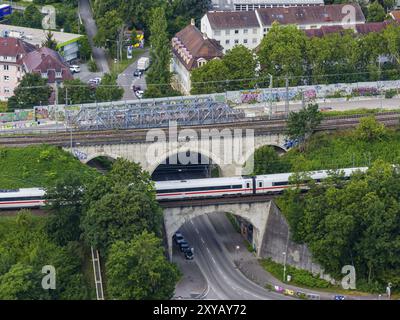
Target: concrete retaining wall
(277, 239)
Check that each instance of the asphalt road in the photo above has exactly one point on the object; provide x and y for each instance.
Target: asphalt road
(99, 54)
(127, 80)
(225, 281)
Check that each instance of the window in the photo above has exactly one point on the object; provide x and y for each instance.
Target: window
(44, 75)
(227, 41)
(248, 185)
(260, 184)
(236, 31)
(6, 78)
(217, 32)
(265, 29)
(245, 31)
(6, 90)
(227, 32)
(254, 40)
(254, 30)
(58, 74)
(244, 40)
(6, 67)
(236, 41)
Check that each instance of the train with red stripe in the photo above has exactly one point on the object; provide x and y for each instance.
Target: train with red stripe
(223, 187)
(186, 189)
(22, 198)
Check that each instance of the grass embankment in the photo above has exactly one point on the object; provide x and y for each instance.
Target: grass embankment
(298, 277)
(329, 114)
(38, 166)
(332, 151)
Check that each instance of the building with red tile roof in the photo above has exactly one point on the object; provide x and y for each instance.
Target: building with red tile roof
(191, 49)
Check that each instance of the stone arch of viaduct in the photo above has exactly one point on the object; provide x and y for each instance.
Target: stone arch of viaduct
(151, 154)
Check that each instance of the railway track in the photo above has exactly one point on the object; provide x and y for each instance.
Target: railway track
(260, 126)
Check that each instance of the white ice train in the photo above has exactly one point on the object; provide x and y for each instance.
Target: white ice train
(222, 187)
(22, 198)
(185, 189)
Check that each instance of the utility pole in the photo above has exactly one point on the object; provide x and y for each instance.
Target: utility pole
(270, 95)
(287, 96)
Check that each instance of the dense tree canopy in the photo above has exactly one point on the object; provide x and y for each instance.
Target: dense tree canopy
(352, 223)
(139, 270)
(234, 71)
(31, 91)
(24, 249)
(120, 205)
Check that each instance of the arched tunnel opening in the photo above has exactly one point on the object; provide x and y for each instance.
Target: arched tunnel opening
(224, 229)
(184, 166)
(103, 164)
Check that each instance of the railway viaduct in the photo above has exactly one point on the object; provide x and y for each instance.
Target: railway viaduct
(228, 151)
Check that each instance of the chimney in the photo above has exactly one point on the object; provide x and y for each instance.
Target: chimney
(205, 36)
(192, 22)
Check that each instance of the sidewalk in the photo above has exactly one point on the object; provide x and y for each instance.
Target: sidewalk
(248, 263)
(192, 285)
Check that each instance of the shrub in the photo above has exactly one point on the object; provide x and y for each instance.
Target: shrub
(92, 66)
(389, 94)
(369, 129)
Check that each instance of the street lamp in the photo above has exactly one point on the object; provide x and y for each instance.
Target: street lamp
(284, 266)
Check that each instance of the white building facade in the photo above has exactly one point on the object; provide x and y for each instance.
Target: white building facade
(230, 28)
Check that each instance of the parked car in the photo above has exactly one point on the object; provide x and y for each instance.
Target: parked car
(136, 88)
(138, 73)
(178, 237)
(75, 68)
(139, 94)
(95, 81)
(189, 254)
(184, 246)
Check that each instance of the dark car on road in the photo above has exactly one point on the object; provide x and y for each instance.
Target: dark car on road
(137, 73)
(184, 246)
(189, 254)
(178, 237)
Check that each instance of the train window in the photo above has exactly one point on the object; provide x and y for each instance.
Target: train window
(248, 185)
(260, 184)
(280, 183)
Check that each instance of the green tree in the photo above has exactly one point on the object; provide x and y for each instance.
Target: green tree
(17, 283)
(108, 89)
(65, 206)
(282, 53)
(139, 270)
(31, 91)
(370, 129)
(266, 160)
(85, 50)
(352, 222)
(50, 42)
(109, 28)
(119, 205)
(32, 17)
(210, 77)
(376, 13)
(78, 92)
(300, 125)
(158, 74)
